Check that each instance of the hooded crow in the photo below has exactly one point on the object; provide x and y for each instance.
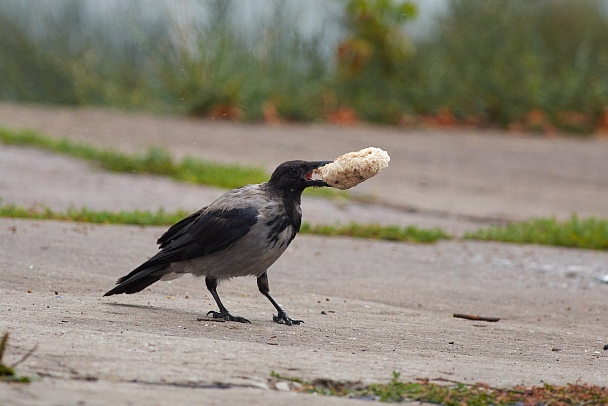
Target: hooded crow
(242, 233)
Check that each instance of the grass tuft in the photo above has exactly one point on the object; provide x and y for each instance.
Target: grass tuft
(7, 373)
(453, 393)
(588, 233)
(377, 232)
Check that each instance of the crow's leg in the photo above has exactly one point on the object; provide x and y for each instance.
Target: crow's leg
(211, 283)
(281, 317)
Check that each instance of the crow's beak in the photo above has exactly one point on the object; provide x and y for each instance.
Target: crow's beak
(310, 182)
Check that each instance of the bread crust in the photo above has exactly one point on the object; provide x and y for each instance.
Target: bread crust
(350, 169)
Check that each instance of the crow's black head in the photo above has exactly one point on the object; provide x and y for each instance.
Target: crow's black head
(296, 175)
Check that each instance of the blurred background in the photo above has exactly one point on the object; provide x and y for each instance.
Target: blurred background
(529, 65)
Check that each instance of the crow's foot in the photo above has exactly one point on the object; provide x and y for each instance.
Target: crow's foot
(227, 316)
(283, 318)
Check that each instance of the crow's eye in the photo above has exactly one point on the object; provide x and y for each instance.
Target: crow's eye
(294, 171)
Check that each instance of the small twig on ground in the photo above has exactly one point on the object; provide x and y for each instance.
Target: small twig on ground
(476, 318)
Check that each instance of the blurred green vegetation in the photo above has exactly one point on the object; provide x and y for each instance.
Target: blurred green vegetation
(535, 65)
(370, 62)
(215, 70)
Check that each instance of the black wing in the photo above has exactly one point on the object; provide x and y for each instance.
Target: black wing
(178, 228)
(204, 233)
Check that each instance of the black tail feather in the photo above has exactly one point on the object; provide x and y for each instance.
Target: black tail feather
(137, 281)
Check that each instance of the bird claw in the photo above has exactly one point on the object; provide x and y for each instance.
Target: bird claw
(227, 316)
(283, 318)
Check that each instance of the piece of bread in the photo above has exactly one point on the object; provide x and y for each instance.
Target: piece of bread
(350, 169)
